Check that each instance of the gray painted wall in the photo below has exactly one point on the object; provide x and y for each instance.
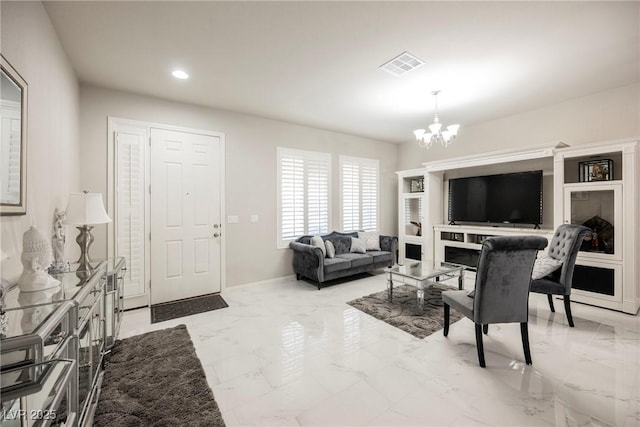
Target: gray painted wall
(603, 116)
(31, 45)
(251, 252)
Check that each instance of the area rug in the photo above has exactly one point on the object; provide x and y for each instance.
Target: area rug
(156, 379)
(186, 307)
(404, 313)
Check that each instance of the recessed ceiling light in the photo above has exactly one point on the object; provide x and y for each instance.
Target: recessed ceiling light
(179, 74)
(402, 63)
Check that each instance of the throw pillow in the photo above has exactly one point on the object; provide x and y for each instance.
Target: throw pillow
(331, 250)
(358, 246)
(319, 243)
(371, 240)
(544, 266)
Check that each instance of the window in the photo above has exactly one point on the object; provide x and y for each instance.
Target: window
(303, 194)
(359, 197)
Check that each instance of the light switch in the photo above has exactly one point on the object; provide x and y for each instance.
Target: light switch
(254, 218)
(233, 219)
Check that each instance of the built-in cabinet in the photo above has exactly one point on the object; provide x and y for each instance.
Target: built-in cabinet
(595, 185)
(417, 213)
(461, 245)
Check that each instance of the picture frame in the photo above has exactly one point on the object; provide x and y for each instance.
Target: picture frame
(596, 170)
(416, 185)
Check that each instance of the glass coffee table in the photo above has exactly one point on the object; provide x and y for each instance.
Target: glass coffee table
(422, 274)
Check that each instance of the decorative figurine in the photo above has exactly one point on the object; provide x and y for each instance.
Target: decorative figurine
(38, 306)
(57, 242)
(36, 258)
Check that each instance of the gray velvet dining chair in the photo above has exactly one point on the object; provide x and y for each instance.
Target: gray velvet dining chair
(501, 293)
(563, 248)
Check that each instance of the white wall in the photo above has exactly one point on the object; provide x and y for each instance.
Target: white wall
(251, 253)
(600, 117)
(30, 44)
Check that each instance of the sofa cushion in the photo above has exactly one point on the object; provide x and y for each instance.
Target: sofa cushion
(371, 239)
(544, 266)
(319, 243)
(357, 259)
(336, 264)
(331, 251)
(381, 256)
(358, 245)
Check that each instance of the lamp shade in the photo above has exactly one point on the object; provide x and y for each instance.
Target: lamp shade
(86, 209)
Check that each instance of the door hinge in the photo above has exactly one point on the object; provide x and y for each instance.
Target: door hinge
(149, 189)
(149, 235)
(149, 141)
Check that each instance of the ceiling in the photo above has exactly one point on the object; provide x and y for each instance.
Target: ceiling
(316, 63)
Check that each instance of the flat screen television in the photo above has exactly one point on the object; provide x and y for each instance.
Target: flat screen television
(513, 198)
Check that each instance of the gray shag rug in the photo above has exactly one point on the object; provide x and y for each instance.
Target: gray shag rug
(156, 379)
(404, 313)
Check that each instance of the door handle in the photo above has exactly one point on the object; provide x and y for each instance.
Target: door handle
(217, 235)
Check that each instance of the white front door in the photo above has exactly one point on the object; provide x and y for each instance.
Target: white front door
(185, 215)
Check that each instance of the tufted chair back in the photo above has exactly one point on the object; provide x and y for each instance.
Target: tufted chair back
(564, 247)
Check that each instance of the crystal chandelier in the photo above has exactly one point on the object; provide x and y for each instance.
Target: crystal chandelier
(436, 134)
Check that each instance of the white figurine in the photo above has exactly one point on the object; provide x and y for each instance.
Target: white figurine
(57, 241)
(37, 306)
(36, 258)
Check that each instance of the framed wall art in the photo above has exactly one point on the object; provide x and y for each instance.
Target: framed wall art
(596, 170)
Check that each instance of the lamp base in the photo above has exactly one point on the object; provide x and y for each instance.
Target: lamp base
(84, 240)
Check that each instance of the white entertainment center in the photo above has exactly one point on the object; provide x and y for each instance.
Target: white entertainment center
(606, 273)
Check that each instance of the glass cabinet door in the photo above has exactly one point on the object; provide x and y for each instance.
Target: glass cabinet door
(597, 206)
(412, 216)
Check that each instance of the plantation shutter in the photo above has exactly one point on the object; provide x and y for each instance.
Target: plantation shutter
(350, 196)
(359, 183)
(304, 194)
(317, 196)
(130, 209)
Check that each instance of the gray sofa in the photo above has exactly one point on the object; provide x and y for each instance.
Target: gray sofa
(310, 262)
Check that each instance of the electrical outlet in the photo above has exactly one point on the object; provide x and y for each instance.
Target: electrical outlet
(254, 218)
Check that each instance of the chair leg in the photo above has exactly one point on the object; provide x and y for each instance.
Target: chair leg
(567, 310)
(524, 331)
(446, 319)
(550, 298)
(479, 345)
(485, 329)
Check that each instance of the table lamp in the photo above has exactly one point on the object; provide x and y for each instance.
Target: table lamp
(85, 210)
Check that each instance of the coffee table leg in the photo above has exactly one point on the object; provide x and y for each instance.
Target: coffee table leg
(390, 287)
(420, 296)
(461, 279)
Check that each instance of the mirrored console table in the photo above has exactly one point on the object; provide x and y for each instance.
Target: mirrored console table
(53, 343)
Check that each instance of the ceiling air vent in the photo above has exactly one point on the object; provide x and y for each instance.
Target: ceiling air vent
(402, 63)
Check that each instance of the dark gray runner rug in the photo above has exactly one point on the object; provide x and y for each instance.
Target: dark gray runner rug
(186, 307)
(404, 313)
(156, 379)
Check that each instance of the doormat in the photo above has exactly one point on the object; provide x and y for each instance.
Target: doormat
(404, 313)
(186, 307)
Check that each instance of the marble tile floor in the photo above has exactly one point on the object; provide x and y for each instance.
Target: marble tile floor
(285, 354)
